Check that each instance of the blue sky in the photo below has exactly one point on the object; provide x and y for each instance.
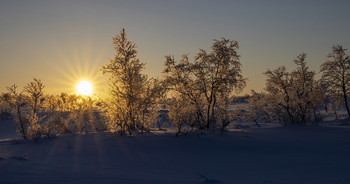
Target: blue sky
(61, 42)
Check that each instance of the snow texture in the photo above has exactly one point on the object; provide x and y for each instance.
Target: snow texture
(267, 155)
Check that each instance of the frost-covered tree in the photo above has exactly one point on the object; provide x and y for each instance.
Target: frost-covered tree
(208, 81)
(35, 97)
(80, 118)
(149, 103)
(54, 118)
(182, 114)
(297, 95)
(5, 109)
(306, 90)
(336, 74)
(218, 74)
(181, 81)
(34, 129)
(332, 99)
(27, 125)
(128, 85)
(37, 114)
(62, 102)
(279, 89)
(260, 109)
(17, 102)
(35, 92)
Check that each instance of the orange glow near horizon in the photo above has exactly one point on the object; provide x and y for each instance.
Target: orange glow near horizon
(75, 65)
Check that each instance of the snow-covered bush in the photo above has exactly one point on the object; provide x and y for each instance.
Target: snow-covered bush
(260, 109)
(34, 128)
(81, 115)
(182, 113)
(53, 124)
(37, 114)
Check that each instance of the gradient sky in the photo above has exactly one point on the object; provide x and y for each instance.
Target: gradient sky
(61, 42)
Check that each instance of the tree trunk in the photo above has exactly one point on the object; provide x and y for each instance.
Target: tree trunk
(21, 123)
(336, 114)
(208, 116)
(290, 114)
(346, 100)
(213, 120)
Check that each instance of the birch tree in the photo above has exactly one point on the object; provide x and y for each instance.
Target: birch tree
(35, 92)
(17, 102)
(218, 74)
(296, 95)
(336, 74)
(127, 86)
(207, 81)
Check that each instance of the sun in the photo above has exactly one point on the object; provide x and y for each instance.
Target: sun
(84, 88)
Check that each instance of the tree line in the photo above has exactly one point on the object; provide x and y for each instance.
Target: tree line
(37, 114)
(196, 93)
(296, 97)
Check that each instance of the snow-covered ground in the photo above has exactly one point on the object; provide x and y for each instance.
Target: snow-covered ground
(8, 130)
(267, 155)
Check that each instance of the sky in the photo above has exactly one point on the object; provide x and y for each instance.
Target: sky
(62, 42)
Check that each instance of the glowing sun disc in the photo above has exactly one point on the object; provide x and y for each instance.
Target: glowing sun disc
(84, 88)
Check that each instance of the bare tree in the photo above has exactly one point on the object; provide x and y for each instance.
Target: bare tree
(336, 73)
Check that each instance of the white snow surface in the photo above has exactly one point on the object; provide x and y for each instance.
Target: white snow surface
(267, 155)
